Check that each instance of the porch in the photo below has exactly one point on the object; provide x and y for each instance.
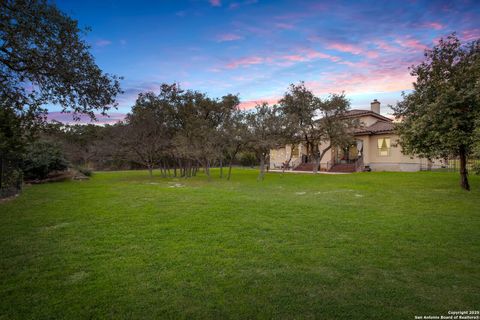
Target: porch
(347, 159)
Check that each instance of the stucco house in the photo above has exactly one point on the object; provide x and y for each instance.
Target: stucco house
(375, 148)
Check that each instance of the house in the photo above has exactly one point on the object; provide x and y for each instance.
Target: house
(375, 148)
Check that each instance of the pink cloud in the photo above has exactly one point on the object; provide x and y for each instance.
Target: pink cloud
(215, 3)
(285, 26)
(295, 57)
(312, 54)
(228, 37)
(67, 118)
(302, 55)
(235, 5)
(471, 34)
(246, 61)
(372, 80)
(380, 78)
(385, 46)
(353, 49)
(345, 47)
(410, 43)
(371, 54)
(434, 25)
(250, 104)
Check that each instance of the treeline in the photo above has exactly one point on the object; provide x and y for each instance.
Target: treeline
(180, 132)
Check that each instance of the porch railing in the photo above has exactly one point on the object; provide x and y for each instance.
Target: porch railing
(358, 163)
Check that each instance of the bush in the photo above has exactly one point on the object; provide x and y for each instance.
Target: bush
(248, 159)
(42, 158)
(85, 171)
(11, 178)
(476, 168)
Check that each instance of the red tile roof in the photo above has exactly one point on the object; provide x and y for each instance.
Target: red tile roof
(376, 128)
(360, 113)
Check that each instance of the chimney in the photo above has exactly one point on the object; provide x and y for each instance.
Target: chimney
(375, 106)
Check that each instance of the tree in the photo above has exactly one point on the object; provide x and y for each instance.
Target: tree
(147, 133)
(236, 137)
(42, 158)
(44, 60)
(315, 121)
(440, 116)
(334, 128)
(266, 131)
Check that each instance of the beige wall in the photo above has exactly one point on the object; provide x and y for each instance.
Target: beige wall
(367, 120)
(395, 161)
(280, 155)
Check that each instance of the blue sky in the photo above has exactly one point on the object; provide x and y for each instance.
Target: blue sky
(256, 48)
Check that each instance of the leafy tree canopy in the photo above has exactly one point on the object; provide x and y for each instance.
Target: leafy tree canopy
(44, 60)
(440, 116)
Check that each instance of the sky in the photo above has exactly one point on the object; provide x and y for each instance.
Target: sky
(256, 48)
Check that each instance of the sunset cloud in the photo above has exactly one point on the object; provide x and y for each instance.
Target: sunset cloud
(246, 61)
(257, 48)
(470, 34)
(410, 43)
(285, 26)
(228, 37)
(250, 104)
(434, 25)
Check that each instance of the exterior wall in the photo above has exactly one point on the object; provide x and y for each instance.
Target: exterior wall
(280, 155)
(395, 161)
(367, 120)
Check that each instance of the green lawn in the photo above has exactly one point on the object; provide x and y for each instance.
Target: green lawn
(359, 246)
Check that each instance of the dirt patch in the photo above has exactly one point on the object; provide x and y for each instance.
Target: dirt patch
(334, 191)
(177, 185)
(57, 226)
(77, 277)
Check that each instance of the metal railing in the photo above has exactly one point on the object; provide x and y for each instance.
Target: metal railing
(449, 165)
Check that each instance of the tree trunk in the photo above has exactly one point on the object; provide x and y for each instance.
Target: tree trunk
(287, 163)
(262, 168)
(463, 169)
(316, 156)
(207, 168)
(150, 171)
(229, 169)
(221, 168)
(317, 162)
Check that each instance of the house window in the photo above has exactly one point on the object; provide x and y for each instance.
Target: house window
(383, 145)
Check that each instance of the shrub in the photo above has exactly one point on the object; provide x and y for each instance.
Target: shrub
(85, 171)
(10, 179)
(476, 168)
(248, 159)
(41, 158)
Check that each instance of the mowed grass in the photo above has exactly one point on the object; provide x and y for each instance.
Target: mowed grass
(358, 246)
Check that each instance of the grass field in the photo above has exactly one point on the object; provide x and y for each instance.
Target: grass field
(359, 246)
